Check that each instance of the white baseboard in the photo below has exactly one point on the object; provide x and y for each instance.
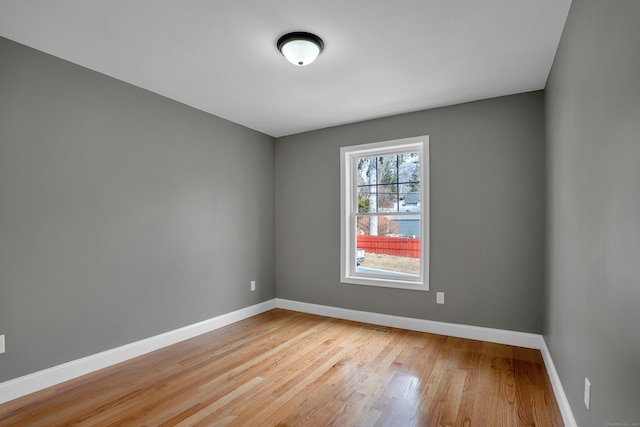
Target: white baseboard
(519, 339)
(558, 390)
(36, 381)
(18, 387)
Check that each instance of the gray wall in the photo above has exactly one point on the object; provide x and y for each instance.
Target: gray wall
(122, 214)
(487, 214)
(592, 300)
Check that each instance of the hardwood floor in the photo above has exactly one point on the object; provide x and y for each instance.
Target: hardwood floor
(284, 368)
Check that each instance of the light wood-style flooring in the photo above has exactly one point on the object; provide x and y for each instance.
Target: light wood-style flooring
(284, 368)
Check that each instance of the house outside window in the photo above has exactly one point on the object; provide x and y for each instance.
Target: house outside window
(384, 214)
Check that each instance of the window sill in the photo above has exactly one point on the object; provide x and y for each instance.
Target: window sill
(385, 283)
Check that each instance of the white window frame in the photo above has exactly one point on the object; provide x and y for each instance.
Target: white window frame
(349, 210)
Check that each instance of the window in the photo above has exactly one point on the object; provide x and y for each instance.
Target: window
(384, 214)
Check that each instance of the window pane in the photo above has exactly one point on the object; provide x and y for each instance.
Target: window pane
(387, 169)
(366, 172)
(409, 199)
(409, 167)
(387, 198)
(366, 199)
(391, 245)
(367, 184)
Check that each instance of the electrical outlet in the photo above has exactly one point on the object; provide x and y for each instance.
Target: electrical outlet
(587, 392)
(439, 297)
(253, 285)
(1, 344)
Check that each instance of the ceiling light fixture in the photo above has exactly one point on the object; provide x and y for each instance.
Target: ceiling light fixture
(300, 48)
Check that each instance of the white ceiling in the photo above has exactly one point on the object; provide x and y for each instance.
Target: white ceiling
(381, 57)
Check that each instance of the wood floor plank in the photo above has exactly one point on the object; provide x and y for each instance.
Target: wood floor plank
(284, 368)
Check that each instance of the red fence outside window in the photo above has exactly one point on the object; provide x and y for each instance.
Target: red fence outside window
(399, 246)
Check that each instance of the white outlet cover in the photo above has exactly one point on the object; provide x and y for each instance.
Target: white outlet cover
(587, 392)
(253, 285)
(439, 297)
(1, 344)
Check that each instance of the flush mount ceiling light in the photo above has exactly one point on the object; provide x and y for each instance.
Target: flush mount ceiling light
(300, 48)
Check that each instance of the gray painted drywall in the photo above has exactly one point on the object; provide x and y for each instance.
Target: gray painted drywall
(487, 214)
(123, 214)
(592, 296)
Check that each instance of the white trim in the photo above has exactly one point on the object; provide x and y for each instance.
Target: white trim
(500, 336)
(349, 211)
(561, 397)
(36, 381)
